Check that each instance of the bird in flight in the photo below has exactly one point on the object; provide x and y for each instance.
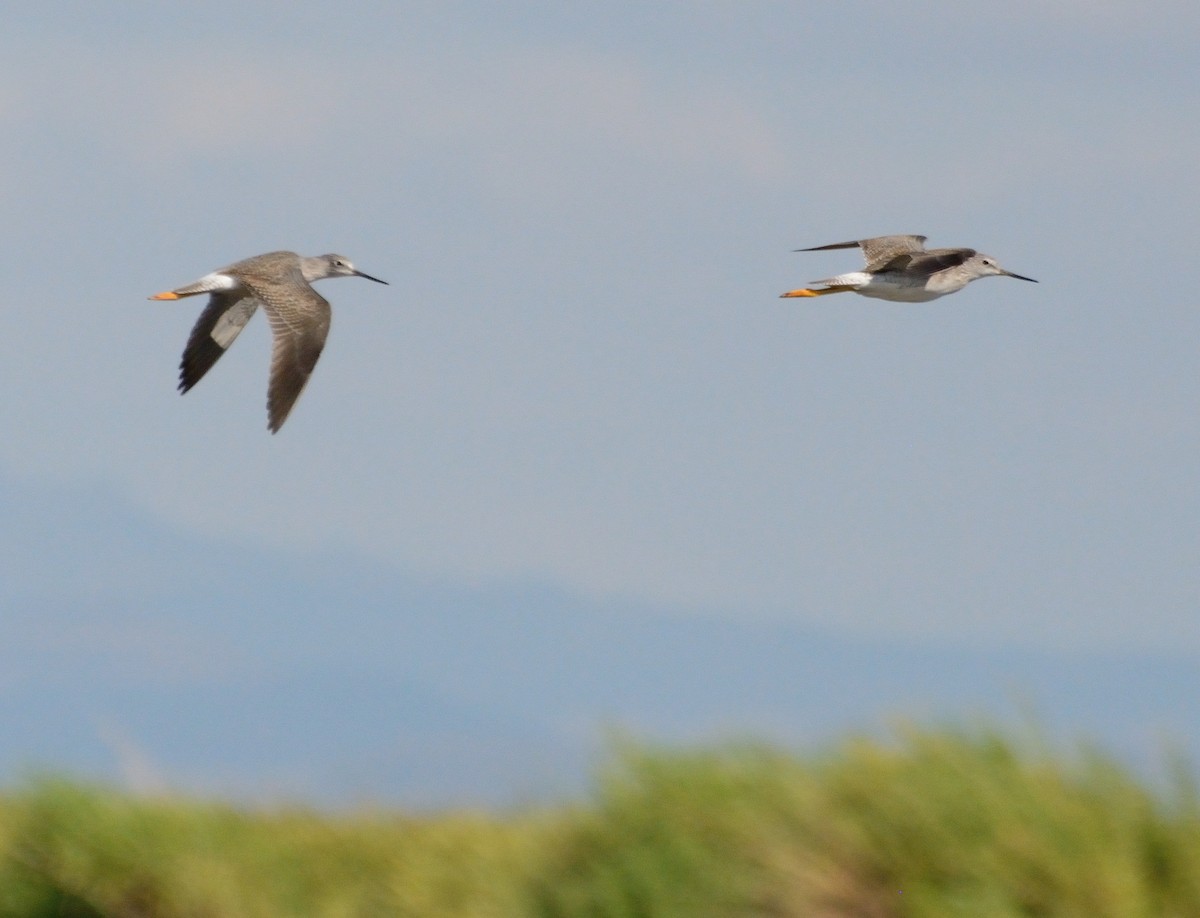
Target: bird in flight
(901, 269)
(281, 283)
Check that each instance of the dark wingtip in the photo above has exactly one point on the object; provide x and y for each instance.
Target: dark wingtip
(852, 244)
(275, 417)
(198, 358)
(186, 381)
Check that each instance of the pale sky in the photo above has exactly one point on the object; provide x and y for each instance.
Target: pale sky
(581, 374)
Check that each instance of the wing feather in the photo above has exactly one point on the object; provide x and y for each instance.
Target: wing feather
(300, 319)
(221, 322)
(877, 248)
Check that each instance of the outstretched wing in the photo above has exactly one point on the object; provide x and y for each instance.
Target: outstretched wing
(878, 249)
(222, 321)
(300, 319)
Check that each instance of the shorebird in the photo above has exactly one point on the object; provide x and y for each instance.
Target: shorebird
(900, 268)
(281, 283)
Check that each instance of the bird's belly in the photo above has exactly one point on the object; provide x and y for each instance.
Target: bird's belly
(898, 293)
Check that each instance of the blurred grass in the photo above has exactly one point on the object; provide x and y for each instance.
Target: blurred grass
(930, 822)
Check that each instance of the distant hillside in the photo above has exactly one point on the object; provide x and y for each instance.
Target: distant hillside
(164, 660)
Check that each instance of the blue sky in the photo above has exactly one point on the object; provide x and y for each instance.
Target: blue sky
(581, 375)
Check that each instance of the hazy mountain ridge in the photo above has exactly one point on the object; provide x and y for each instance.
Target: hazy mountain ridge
(225, 667)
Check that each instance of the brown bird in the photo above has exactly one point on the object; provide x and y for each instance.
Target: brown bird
(281, 283)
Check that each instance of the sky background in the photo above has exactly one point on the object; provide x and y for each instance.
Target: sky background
(580, 413)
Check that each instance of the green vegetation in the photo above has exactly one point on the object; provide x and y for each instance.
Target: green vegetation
(930, 823)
